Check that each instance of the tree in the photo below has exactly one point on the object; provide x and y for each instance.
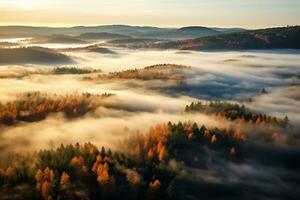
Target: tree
(153, 189)
(286, 121)
(46, 190)
(150, 153)
(45, 182)
(38, 178)
(103, 175)
(162, 154)
(64, 179)
(213, 139)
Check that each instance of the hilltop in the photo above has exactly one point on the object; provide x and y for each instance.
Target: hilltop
(116, 31)
(102, 36)
(31, 55)
(273, 38)
(63, 39)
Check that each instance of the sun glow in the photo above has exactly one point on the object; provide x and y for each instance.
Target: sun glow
(24, 3)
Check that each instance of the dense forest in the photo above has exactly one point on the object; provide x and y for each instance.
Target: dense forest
(91, 48)
(162, 72)
(102, 36)
(73, 70)
(234, 112)
(274, 38)
(33, 107)
(224, 128)
(146, 168)
(147, 165)
(62, 39)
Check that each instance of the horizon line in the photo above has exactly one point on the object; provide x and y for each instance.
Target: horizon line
(131, 25)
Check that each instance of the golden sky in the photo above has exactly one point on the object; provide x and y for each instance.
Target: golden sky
(167, 13)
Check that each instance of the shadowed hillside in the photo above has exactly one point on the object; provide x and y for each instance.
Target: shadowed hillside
(274, 38)
(63, 39)
(158, 72)
(114, 31)
(92, 48)
(102, 36)
(31, 55)
(171, 161)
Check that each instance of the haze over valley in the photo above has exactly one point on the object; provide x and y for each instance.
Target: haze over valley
(149, 112)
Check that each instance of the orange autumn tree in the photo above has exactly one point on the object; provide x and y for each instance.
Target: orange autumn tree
(36, 106)
(101, 169)
(150, 153)
(153, 189)
(45, 182)
(78, 161)
(64, 179)
(213, 139)
(103, 174)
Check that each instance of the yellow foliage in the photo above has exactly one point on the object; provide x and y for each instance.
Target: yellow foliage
(97, 163)
(44, 182)
(64, 179)
(159, 133)
(162, 154)
(102, 173)
(35, 106)
(46, 190)
(150, 153)
(213, 139)
(160, 146)
(103, 177)
(77, 160)
(48, 175)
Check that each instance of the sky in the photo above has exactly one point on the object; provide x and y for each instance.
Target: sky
(161, 13)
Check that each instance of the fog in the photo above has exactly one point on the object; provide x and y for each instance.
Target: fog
(138, 105)
(244, 61)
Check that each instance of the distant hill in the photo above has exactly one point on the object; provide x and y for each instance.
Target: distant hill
(92, 48)
(273, 38)
(28, 31)
(197, 30)
(229, 30)
(118, 30)
(63, 39)
(31, 55)
(183, 33)
(133, 42)
(102, 36)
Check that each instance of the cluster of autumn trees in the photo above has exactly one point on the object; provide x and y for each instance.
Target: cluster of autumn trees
(234, 112)
(85, 172)
(36, 106)
(165, 141)
(161, 72)
(73, 70)
(140, 172)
